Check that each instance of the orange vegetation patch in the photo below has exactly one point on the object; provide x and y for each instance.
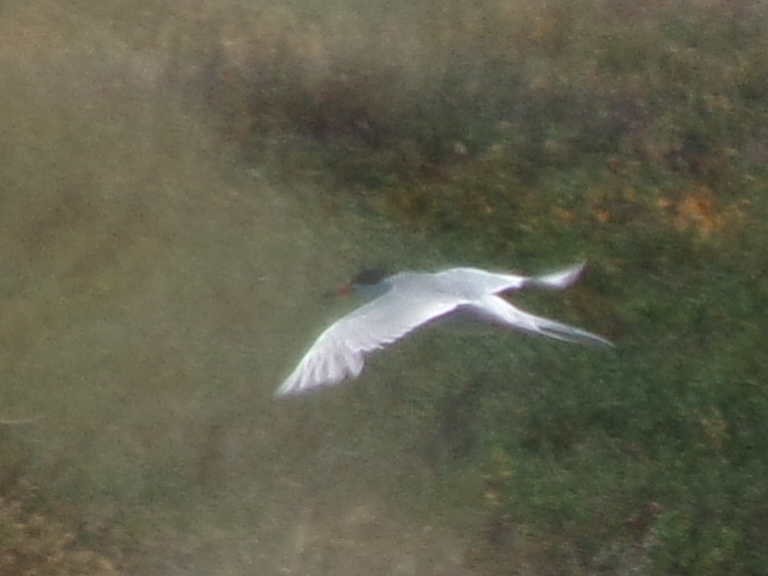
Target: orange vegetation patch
(601, 215)
(699, 211)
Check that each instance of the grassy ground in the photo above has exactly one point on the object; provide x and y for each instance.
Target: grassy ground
(181, 184)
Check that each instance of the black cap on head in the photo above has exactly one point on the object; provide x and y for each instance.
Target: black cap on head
(370, 276)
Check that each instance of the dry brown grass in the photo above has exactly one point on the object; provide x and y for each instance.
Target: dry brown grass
(33, 544)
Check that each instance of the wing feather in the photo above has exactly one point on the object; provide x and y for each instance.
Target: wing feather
(339, 352)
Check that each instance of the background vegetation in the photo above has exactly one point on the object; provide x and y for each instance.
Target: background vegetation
(180, 184)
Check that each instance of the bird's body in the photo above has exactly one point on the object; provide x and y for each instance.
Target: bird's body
(411, 299)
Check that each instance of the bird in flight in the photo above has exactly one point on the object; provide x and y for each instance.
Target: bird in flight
(408, 300)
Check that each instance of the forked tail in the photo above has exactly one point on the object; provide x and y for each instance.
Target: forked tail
(499, 310)
(560, 331)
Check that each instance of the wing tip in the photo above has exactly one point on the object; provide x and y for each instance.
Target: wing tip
(282, 391)
(308, 378)
(288, 388)
(561, 278)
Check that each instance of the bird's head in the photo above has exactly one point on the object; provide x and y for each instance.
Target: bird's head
(366, 280)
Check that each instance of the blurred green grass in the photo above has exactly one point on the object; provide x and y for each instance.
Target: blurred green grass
(182, 182)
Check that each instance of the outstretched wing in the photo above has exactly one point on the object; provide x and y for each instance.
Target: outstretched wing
(338, 352)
